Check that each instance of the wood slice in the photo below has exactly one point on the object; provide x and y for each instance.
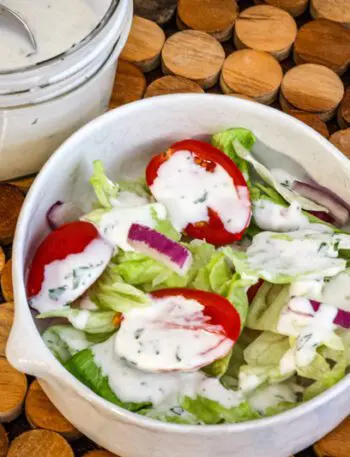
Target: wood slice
(216, 17)
(344, 110)
(159, 11)
(312, 88)
(6, 281)
(23, 184)
(323, 42)
(4, 442)
(194, 55)
(144, 44)
(2, 259)
(11, 200)
(244, 97)
(172, 85)
(266, 28)
(99, 454)
(312, 120)
(6, 318)
(40, 443)
(293, 7)
(341, 140)
(336, 443)
(129, 85)
(41, 413)
(13, 388)
(334, 10)
(253, 73)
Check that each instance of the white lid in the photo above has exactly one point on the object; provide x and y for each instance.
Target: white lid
(58, 26)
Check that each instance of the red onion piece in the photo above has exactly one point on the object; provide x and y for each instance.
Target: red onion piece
(160, 247)
(342, 318)
(60, 213)
(336, 207)
(325, 217)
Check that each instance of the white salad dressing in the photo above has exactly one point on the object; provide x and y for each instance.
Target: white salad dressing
(80, 319)
(309, 288)
(129, 199)
(188, 190)
(66, 280)
(336, 291)
(57, 26)
(172, 334)
(277, 218)
(271, 396)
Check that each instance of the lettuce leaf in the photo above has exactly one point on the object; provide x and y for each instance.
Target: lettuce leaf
(219, 367)
(267, 349)
(273, 399)
(104, 188)
(175, 415)
(136, 186)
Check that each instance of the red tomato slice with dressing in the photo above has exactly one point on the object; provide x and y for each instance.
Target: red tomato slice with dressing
(208, 157)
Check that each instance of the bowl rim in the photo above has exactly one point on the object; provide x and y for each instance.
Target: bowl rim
(81, 389)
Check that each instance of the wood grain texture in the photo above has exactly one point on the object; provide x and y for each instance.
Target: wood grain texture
(6, 319)
(13, 388)
(341, 139)
(2, 259)
(40, 443)
(4, 442)
(144, 44)
(159, 11)
(336, 443)
(293, 7)
(11, 200)
(253, 73)
(266, 28)
(23, 184)
(194, 55)
(312, 120)
(6, 281)
(313, 88)
(172, 85)
(216, 17)
(129, 84)
(323, 42)
(41, 413)
(335, 10)
(343, 116)
(99, 453)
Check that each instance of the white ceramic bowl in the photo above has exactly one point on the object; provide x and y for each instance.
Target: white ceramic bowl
(124, 139)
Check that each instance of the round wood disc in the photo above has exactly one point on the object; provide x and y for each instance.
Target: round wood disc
(13, 388)
(293, 7)
(341, 140)
(323, 42)
(23, 184)
(11, 200)
(41, 413)
(244, 97)
(336, 443)
(313, 88)
(6, 281)
(144, 44)
(216, 17)
(344, 110)
(2, 259)
(160, 11)
(266, 28)
(172, 85)
(99, 453)
(129, 84)
(40, 443)
(253, 73)
(334, 10)
(312, 120)
(6, 318)
(4, 442)
(194, 55)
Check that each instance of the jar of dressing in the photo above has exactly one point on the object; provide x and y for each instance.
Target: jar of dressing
(46, 95)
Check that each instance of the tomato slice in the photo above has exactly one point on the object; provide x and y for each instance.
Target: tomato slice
(218, 308)
(71, 238)
(208, 157)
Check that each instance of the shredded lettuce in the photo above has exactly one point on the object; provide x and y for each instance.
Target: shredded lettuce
(267, 349)
(104, 188)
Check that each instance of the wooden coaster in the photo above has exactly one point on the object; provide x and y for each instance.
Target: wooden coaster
(99, 453)
(23, 184)
(11, 200)
(6, 281)
(13, 388)
(343, 116)
(216, 17)
(312, 120)
(129, 85)
(41, 413)
(334, 10)
(266, 28)
(6, 318)
(312, 88)
(172, 85)
(341, 140)
(293, 7)
(144, 44)
(2, 259)
(253, 73)
(40, 443)
(245, 97)
(323, 42)
(336, 443)
(159, 11)
(4, 442)
(194, 55)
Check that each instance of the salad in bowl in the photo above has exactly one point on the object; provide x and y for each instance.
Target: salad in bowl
(210, 290)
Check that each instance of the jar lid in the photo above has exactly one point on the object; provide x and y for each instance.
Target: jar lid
(58, 27)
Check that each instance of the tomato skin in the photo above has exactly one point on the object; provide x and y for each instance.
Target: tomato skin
(208, 157)
(70, 238)
(221, 311)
